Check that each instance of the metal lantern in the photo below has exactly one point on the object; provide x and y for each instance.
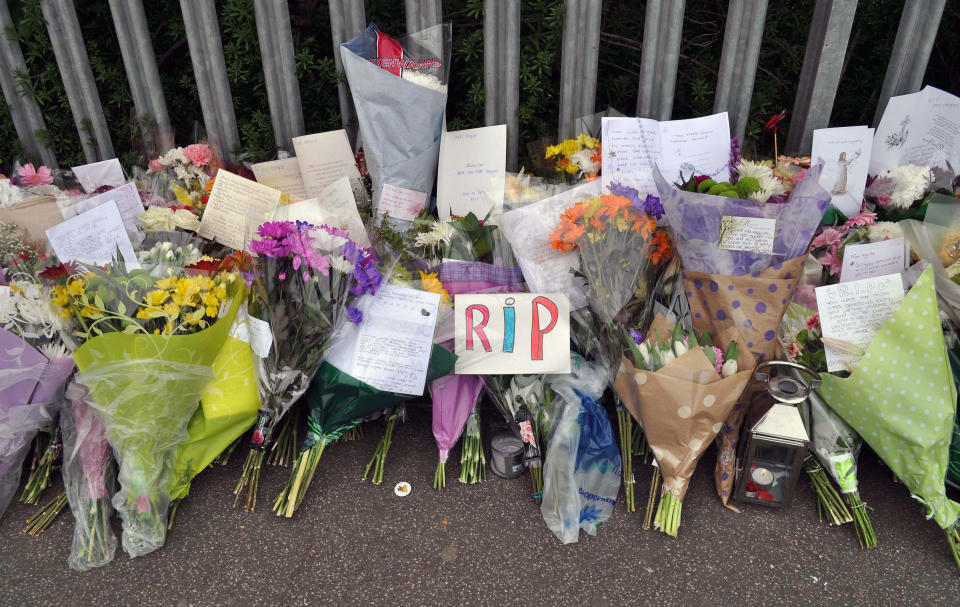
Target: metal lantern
(777, 444)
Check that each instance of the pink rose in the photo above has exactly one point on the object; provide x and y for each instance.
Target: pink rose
(198, 154)
(155, 165)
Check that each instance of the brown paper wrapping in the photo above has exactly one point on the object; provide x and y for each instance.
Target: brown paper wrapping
(753, 306)
(35, 217)
(682, 406)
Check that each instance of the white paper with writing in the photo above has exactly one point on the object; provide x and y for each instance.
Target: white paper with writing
(401, 203)
(747, 234)
(253, 331)
(236, 208)
(324, 158)
(545, 268)
(128, 203)
(471, 172)
(631, 147)
(873, 259)
(98, 174)
(335, 207)
(854, 311)
(93, 237)
(390, 349)
(283, 175)
(845, 153)
(920, 128)
(512, 333)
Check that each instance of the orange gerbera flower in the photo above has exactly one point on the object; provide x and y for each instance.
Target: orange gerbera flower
(574, 213)
(597, 223)
(613, 204)
(661, 247)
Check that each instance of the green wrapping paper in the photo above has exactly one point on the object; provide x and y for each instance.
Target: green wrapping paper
(339, 402)
(146, 388)
(901, 399)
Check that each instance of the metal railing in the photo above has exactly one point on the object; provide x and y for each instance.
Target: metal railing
(817, 88)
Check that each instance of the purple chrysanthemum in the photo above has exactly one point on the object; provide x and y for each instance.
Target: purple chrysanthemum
(637, 336)
(354, 315)
(653, 206)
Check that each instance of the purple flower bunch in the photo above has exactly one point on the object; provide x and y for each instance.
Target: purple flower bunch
(366, 274)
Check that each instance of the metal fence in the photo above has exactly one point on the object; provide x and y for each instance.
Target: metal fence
(817, 88)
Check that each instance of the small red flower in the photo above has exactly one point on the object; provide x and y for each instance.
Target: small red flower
(58, 271)
(257, 438)
(775, 121)
(204, 266)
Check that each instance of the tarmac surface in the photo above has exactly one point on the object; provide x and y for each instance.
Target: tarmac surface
(355, 543)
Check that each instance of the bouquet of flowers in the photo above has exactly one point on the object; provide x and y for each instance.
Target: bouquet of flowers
(579, 157)
(747, 290)
(147, 354)
(680, 387)
(400, 148)
(909, 422)
(89, 479)
(301, 285)
(623, 256)
(184, 173)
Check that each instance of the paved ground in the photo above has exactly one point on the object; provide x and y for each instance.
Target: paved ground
(355, 543)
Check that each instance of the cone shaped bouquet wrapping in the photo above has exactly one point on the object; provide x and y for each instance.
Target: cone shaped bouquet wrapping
(31, 391)
(339, 402)
(745, 290)
(901, 399)
(400, 115)
(89, 479)
(228, 408)
(682, 407)
(146, 388)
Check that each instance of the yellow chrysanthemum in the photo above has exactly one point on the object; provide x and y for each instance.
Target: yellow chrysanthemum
(166, 284)
(432, 284)
(60, 297)
(171, 309)
(156, 298)
(587, 141)
(76, 286)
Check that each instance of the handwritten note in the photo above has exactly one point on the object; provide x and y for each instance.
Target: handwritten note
(470, 175)
(528, 229)
(98, 174)
(390, 349)
(253, 331)
(631, 147)
(920, 128)
(853, 312)
(845, 153)
(324, 158)
(401, 203)
(512, 333)
(235, 209)
(747, 234)
(93, 237)
(283, 175)
(128, 203)
(873, 259)
(335, 207)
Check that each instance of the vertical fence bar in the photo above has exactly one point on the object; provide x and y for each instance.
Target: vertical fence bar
(669, 58)
(919, 23)
(568, 66)
(648, 59)
(820, 75)
(279, 69)
(74, 66)
(27, 119)
(662, 29)
(726, 72)
(347, 20)
(501, 71)
(491, 71)
(511, 83)
(206, 53)
(591, 13)
(140, 64)
(747, 66)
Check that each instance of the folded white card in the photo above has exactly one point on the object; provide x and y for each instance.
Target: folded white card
(324, 158)
(470, 176)
(236, 208)
(845, 153)
(283, 175)
(128, 203)
(93, 237)
(335, 207)
(98, 174)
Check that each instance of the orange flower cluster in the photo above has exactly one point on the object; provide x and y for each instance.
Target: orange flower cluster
(593, 218)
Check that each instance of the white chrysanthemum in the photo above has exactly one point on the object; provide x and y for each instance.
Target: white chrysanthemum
(341, 264)
(172, 157)
(882, 230)
(326, 242)
(425, 80)
(181, 172)
(54, 350)
(440, 232)
(910, 183)
(9, 193)
(772, 185)
(748, 168)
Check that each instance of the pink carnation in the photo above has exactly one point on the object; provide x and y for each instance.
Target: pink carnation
(831, 260)
(198, 154)
(155, 165)
(829, 237)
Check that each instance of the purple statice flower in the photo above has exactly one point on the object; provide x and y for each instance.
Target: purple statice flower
(637, 337)
(735, 157)
(354, 315)
(652, 206)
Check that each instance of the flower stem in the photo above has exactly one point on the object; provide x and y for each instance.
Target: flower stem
(440, 476)
(249, 480)
(284, 449)
(224, 456)
(40, 476)
(861, 520)
(39, 522)
(668, 514)
(376, 463)
(829, 501)
(300, 476)
(652, 498)
(625, 423)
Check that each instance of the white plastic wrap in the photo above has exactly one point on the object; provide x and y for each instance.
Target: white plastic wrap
(89, 481)
(581, 476)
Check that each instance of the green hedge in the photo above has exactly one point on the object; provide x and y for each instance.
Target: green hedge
(542, 23)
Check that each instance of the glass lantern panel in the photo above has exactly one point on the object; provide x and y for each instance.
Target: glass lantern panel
(769, 471)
